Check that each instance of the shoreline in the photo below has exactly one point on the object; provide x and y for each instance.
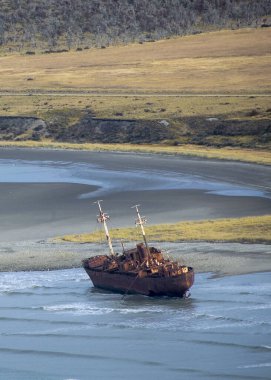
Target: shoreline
(230, 154)
(220, 259)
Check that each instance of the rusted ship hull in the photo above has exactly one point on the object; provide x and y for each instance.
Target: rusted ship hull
(140, 270)
(131, 283)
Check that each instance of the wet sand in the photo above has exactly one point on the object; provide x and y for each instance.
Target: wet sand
(219, 258)
(34, 212)
(41, 211)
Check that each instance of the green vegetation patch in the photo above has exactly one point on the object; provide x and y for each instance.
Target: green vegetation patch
(245, 230)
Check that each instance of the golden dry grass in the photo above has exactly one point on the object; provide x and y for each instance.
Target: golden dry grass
(136, 107)
(216, 62)
(138, 82)
(245, 155)
(248, 229)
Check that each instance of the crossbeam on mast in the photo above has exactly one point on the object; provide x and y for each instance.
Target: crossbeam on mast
(102, 218)
(141, 220)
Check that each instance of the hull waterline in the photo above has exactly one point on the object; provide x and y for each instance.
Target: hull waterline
(175, 286)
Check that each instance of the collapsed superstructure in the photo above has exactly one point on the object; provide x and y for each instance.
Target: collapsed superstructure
(141, 270)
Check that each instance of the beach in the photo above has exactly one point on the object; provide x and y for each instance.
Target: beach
(49, 193)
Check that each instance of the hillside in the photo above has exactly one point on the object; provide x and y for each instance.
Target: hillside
(53, 24)
(211, 89)
(225, 62)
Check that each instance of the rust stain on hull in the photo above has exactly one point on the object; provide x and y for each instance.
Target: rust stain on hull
(142, 270)
(123, 283)
(129, 273)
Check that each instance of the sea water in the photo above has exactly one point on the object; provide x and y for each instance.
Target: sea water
(56, 325)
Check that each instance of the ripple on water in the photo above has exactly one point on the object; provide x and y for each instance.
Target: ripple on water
(53, 318)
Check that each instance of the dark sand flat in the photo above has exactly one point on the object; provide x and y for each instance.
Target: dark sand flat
(161, 184)
(40, 211)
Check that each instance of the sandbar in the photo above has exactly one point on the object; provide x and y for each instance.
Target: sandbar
(217, 258)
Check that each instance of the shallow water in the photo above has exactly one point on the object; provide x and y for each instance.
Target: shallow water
(55, 325)
(109, 181)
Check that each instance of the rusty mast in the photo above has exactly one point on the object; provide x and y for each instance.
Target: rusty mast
(102, 218)
(140, 221)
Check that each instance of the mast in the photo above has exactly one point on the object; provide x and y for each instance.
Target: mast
(102, 218)
(141, 220)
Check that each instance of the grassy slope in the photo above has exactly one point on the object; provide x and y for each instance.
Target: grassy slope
(137, 106)
(218, 62)
(249, 229)
(221, 64)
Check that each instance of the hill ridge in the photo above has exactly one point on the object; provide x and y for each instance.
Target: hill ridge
(54, 24)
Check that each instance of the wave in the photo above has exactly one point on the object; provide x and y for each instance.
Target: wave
(86, 308)
(266, 306)
(216, 317)
(58, 335)
(51, 353)
(79, 308)
(21, 281)
(212, 343)
(41, 321)
(260, 365)
(73, 355)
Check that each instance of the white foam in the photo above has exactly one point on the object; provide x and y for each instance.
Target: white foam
(261, 365)
(19, 281)
(78, 308)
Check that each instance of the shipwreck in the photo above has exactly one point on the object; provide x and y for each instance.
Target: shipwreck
(140, 270)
